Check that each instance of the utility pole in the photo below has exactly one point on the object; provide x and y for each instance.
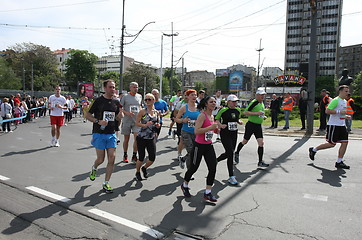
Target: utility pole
(182, 75)
(122, 52)
(32, 79)
(161, 73)
(312, 66)
(171, 35)
(257, 76)
(23, 77)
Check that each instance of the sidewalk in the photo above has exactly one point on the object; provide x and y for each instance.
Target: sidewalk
(291, 132)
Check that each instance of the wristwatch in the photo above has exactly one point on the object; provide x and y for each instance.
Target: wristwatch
(96, 121)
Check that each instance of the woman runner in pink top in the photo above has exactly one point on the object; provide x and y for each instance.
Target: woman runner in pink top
(205, 127)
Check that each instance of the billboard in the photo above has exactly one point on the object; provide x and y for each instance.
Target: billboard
(236, 81)
(222, 72)
(85, 90)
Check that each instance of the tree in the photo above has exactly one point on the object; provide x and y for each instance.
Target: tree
(138, 73)
(8, 79)
(80, 67)
(325, 82)
(356, 84)
(31, 60)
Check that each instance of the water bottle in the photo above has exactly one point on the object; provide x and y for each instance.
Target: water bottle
(104, 126)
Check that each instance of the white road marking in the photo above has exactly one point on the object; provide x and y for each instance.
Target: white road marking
(316, 197)
(3, 178)
(48, 194)
(149, 231)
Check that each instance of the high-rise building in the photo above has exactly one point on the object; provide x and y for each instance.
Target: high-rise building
(298, 31)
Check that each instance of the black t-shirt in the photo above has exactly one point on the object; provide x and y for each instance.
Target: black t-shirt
(103, 109)
(230, 117)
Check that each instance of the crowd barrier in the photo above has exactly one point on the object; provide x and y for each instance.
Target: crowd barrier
(18, 118)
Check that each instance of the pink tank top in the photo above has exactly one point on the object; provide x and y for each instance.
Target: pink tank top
(205, 138)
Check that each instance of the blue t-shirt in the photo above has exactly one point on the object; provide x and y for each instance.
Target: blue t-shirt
(190, 126)
(161, 106)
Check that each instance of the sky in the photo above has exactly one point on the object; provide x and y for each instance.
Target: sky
(212, 34)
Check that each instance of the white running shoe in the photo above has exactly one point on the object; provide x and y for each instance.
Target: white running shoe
(52, 143)
(56, 144)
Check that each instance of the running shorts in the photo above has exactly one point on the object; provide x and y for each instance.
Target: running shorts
(253, 128)
(57, 120)
(336, 134)
(104, 141)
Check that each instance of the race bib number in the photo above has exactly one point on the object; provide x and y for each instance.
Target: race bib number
(109, 116)
(134, 109)
(208, 135)
(232, 126)
(191, 123)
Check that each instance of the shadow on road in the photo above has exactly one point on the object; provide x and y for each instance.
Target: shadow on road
(331, 177)
(197, 221)
(25, 151)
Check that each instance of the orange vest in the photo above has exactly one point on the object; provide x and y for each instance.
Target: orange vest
(289, 106)
(326, 100)
(349, 108)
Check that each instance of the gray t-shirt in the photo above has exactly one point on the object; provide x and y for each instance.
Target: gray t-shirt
(131, 104)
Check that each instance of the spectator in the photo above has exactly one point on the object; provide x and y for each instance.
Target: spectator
(288, 104)
(6, 113)
(302, 105)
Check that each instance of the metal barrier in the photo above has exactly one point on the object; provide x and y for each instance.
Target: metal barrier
(18, 118)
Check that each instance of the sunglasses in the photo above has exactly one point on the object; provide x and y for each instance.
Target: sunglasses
(148, 99)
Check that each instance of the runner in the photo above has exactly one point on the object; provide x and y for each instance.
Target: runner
(161, 107)
(256, 116)
(228, 120)
(336, 127)
(177, 132)
(204, 129)
(131, 106)
(56, 105)
(187, 116)
(173, 102)
(148, 121)
(103, 113)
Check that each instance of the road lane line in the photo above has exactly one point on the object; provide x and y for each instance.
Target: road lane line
(316, 197)
(48, 194)
(149, 231)
(3, 178)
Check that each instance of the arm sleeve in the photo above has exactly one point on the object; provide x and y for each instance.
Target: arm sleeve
(333, 104)
(219, 113)
(251, 106)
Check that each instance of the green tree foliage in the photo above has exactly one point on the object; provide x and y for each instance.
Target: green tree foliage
(8, 79)
(176, 81)
(80, 67)
(356, 84)
(138, 73)
(29, 59)
(324, 82)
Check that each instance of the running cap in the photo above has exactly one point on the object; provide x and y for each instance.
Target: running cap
(260, 92)
(232, 98)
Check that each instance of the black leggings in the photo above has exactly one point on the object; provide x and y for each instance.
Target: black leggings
(206, 150)
(228, 140)
(150, 145)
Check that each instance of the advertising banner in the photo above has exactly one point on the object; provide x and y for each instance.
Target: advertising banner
(222, 72)
(290, 78)
(236, 81)
(85, 90)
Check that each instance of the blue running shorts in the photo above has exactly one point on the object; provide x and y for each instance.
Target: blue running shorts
(104, 141)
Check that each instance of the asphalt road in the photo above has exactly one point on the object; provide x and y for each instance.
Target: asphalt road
(46, 194)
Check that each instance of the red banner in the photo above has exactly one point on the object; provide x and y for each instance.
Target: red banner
(290, 78)
(86, 90)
